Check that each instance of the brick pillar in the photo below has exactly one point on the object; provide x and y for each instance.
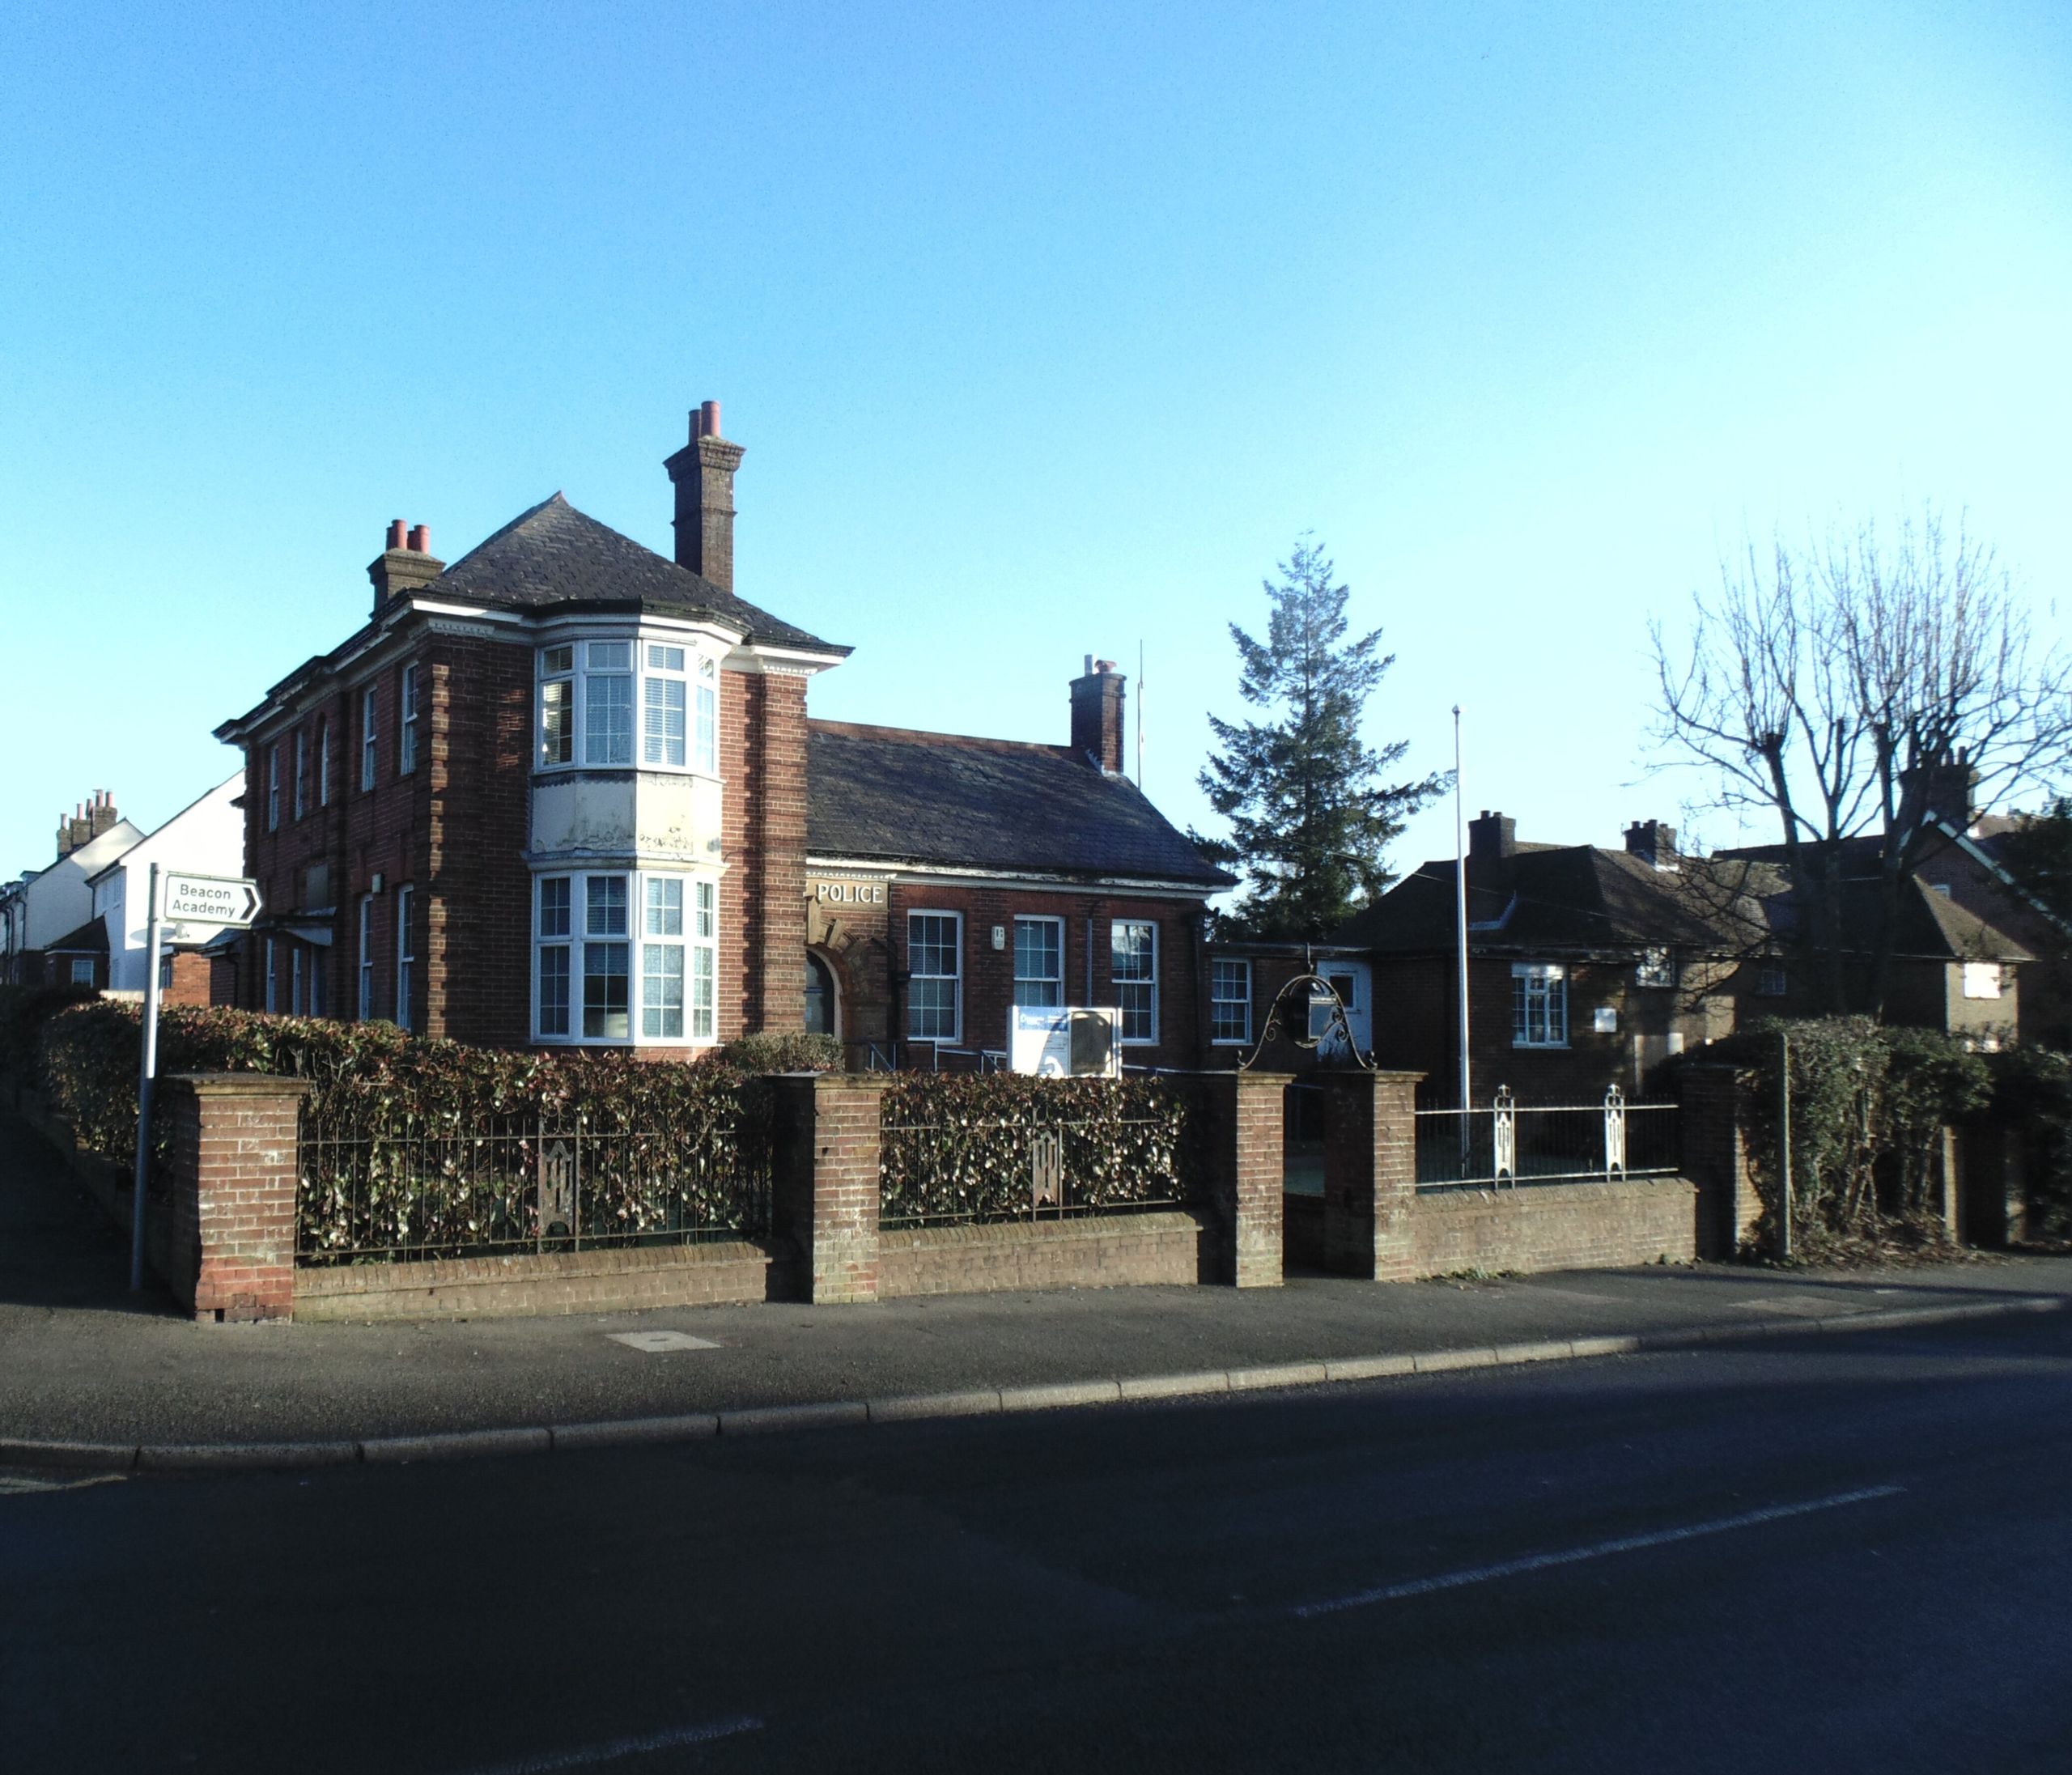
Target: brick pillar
(1243, 1145)
(230, 1244)
(824, 1157)
(777, 985)
(1716, 1158)
(1370, 1175)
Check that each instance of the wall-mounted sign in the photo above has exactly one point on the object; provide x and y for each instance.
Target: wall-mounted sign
(849, 893)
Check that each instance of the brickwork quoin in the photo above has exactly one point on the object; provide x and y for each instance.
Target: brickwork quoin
(230, 1248)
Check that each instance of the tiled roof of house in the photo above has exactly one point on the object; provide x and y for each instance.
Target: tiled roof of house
(90, 939)
(895, 795)
(555, 554)
(1569, 898)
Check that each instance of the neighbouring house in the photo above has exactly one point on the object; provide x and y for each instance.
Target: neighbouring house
(205, 838)
(48, 934)
(1994, 929)
(564, 792)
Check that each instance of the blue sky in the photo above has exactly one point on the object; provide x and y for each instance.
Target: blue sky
(1047, 330)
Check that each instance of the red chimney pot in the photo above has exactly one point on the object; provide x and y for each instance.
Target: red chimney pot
(395, 533)
(708, 419)
(421, 539)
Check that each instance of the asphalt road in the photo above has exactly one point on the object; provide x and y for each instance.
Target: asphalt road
(1826, 1553)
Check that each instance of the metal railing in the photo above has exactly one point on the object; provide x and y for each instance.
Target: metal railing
(1509, 1143)
(517, 1186)
(947, 1174)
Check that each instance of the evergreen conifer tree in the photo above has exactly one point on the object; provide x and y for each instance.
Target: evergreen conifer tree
(1311, 819)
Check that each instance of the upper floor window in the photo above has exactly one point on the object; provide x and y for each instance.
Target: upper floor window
(365, 958)
(273, 791)
(592, 693)
(1983, 980)
(1230, 999)
(370, 709)
(1771, 980)
(406, 737)
(935, 968)
(324, 762)
(1039, 962)
(1133, 953)
(1539, 1004)
(301, 771)
(1656, 967)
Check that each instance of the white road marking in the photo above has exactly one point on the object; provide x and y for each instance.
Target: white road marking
(1626, 1543)
(589, 1755)
(654, 1341)
(11, 1483)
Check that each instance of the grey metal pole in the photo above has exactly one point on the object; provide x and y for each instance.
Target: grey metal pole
(1784, 1147)
(1460, 931)
(147, 1071)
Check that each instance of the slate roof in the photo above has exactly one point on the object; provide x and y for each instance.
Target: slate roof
(554, 554)
(898, 795)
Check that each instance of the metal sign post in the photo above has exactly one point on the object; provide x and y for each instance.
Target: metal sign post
(147, 1071)
(194, 904)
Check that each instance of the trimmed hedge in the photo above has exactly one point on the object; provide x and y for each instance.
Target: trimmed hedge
(956, 1146)
(23, 1011)
(687, 1141)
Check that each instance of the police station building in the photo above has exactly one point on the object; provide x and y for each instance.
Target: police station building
(565, 792)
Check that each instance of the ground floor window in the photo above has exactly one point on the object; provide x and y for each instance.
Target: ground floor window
(820, 996)
(935, 976)
(1539, 1004)
(1230, 999)
(406, 957)
(1039, 962)
(82, 971)
(595, 934)
(1134, 954)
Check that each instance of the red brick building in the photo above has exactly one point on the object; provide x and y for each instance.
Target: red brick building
(565, 792)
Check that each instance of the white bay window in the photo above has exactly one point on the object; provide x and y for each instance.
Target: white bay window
(592, 694)
(587, 953)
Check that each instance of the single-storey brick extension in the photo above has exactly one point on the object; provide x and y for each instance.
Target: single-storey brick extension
(565, 792)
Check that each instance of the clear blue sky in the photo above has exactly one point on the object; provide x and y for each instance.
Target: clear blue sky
(1047, 329)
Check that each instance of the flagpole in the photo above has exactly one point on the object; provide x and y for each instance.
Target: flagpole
(1460, 924)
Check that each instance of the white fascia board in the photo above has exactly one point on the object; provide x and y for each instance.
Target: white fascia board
(1033, 881)
(795, 662)
(605, 626)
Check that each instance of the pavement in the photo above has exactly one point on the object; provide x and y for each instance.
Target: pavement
(92, 1376)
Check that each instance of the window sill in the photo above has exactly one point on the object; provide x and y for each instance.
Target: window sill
(1541, 1048)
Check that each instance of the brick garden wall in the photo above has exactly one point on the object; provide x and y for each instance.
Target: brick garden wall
(1556, 1226)
(1113, 1251)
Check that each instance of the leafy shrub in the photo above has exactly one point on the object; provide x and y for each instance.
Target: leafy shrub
(23, 1011)
(1869, 1104)
(957, 1145)
(2032, 1098)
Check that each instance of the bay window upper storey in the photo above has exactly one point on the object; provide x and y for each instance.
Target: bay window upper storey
(648, 701)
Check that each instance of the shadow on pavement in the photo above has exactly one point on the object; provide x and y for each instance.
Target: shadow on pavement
(56, 1248)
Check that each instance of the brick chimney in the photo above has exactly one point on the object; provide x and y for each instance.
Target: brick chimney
(703, 472)
(100, 811)
(1096, 715)
(406, 564)
(1490, 838)
(1948, 788)
(66, 843)
(1652, 843)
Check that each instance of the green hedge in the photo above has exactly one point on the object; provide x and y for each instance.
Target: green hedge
(416, 1143)
(956, 1146)
(23, 1011)
(2032, 1098)
(1869, 1104)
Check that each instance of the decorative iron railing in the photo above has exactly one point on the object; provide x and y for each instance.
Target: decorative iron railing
(519, 1186)
(944, 1173)
(1508, 1144)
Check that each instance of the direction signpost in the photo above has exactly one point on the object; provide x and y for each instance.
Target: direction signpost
(195, 908)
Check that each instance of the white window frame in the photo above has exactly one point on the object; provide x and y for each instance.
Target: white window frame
(1057, 980)
(273, 985)
(1537, 980)
(1120, 981)
(406, 721)
(365, 958)
(324, 762)
(693, 946)
(301, 796)
(1220, 1000)
(369, 729)
(564, 673)
(294, 979)
(273, 786)
(1656, 967)
(955, 978)
(78, 961)
(406, 956)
